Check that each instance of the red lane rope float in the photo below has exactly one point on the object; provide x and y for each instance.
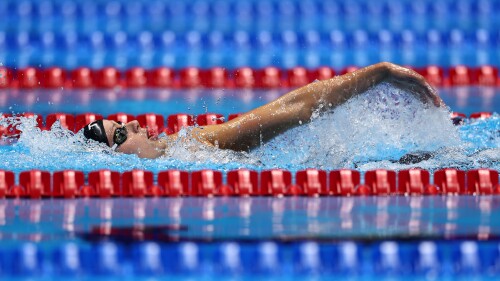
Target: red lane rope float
(174, 183)
(81, 78)
(6, 78)
(218, 77)
(37, 184)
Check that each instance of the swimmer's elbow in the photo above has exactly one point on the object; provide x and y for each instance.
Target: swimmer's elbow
(385, 65)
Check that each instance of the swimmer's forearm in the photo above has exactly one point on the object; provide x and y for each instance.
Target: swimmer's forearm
(343, 88)
(328, 94)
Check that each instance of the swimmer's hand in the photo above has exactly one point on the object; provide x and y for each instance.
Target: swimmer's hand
(409, 80)
(415, 157)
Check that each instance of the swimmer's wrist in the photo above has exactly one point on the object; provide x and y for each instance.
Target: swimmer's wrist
(385, 68)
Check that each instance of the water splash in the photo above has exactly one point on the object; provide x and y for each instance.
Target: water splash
(382, 124)
(376, 129)
(370, 131)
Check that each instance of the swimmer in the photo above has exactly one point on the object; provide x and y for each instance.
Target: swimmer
(263, 123)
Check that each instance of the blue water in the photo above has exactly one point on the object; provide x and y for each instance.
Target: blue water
(237, 238)
(251, 219)
(371, 131)
(251, 33)
(195, 101)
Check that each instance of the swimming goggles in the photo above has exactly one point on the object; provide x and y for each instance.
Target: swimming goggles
(119, 136)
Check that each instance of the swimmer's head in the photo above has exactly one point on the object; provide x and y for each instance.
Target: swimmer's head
(128, 138)
(96, 131)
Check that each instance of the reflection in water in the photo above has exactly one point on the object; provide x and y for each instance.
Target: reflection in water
(486, 207)
(3, 206)
(313, 208)
(382, 213)
(139, 207)
(106, 209)
(245, 207)
(462, 94)
(174, 209)
(415, 222)
(208, 214)
(69, 216)
(35, 211)
(278, 208)
(346, 208)
(173, 219)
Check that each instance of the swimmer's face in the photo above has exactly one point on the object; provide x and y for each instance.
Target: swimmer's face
(138, 140)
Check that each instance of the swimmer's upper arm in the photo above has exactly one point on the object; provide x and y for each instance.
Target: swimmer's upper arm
(259, 125)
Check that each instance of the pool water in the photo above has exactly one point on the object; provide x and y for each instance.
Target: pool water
(258, 237)
(251, 219)
(371, 131)
(287, 238)
(392, 237)
(465, 99)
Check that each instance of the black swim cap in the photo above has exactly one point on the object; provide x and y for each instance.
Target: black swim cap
(95, 131)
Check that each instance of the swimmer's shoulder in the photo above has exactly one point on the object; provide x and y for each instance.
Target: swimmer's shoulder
(199, 134)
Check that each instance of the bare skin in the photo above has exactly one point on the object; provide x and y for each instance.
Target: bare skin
(138, 140)
(290, 110)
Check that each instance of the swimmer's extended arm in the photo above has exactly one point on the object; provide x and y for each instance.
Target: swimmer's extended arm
(296, 107)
